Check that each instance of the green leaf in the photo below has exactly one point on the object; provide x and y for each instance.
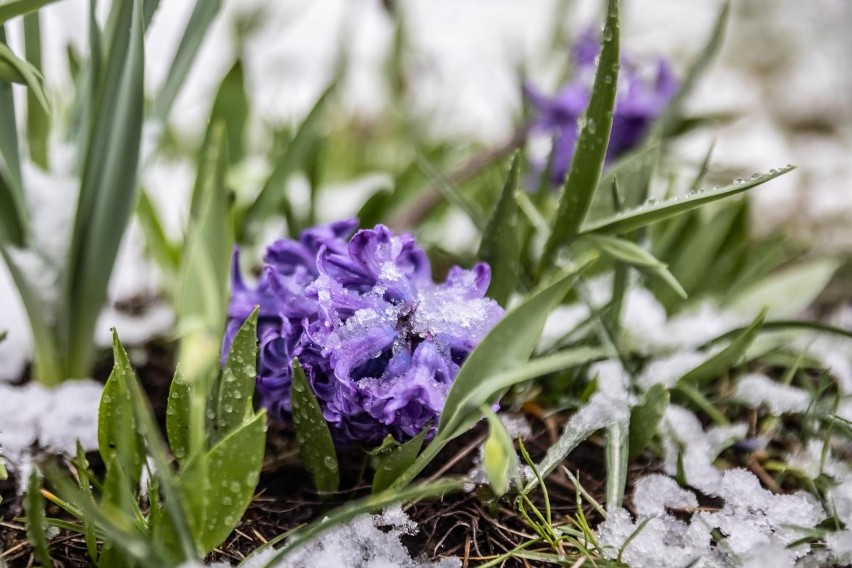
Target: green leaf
(14, 220)
(633, 254)
(272, 194)
(632, 173)
(38, 122)
(178, 415)
(118, 434)
(36, 525)
(500, 246)
(203, 296)
(167, 254)
(787, 293)
(196, 29)
(645, 418)
(315, 443)
(234, 398)
(82, 466)
(150, 432)
(499, 458)
(218, 498)
(724, 360)
(395, 461)
(617, 449)
(14, 8)
(16, 70)
(107, 189)
(654, 212)
(670, 121)
(590, 151)
(366, 505)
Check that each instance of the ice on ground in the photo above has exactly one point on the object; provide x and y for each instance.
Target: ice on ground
(367, 541)
(756, 390)
(756, 527)
(684, 439)
(669, 369)
(35, 417)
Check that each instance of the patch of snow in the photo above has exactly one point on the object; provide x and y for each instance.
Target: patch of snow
(756, 390)
(33, 416)
(668, 370)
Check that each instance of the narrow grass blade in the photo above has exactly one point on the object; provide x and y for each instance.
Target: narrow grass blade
(670, 121)
(590, 152)
(34, 508)
(166, 253)
(108, 186)
(391, 465)
(16, 70)
(315, 443)
(196, 29)
(617, 449)
(272, 195)
(719, 363)
(633, 254)
(14, 220)
(633, 219)
(14, 8)
(500, 246)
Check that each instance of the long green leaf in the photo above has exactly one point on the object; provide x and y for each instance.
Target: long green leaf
(38, 122)
(315, 443)
(167, 254)
(617, 450)
(633, 219)
(196, 29)
(14, 221)
(590, 152)
(722, 361)
(108, 187)
(118, 434)
(14, 8)
(500, 246)
(272, 194)
(670, 120)
(16, 70)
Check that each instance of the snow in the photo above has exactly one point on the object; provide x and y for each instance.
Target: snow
(367, 541)
(35, 417)
(755, 525)
(756, 390)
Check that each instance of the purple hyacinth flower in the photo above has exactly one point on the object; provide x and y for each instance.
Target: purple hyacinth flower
(640, 100)
(379, 340)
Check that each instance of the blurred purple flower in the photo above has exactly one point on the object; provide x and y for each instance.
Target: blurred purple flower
(380, 342)
(640, 100)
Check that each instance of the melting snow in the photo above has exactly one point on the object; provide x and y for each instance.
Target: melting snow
(757, 390)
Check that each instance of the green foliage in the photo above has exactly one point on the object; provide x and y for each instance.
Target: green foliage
(36, 524)
(499, 458)
(315, 444)
(645, 418)
(393, 461)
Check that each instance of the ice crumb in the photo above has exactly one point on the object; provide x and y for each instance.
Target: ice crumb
(655, 494)
(756, 390)
(33, 416)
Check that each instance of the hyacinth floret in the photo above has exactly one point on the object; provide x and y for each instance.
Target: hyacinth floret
(379, 340)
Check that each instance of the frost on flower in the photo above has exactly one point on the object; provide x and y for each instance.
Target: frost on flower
(757, 390)
(642, 96)
(379, 340)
